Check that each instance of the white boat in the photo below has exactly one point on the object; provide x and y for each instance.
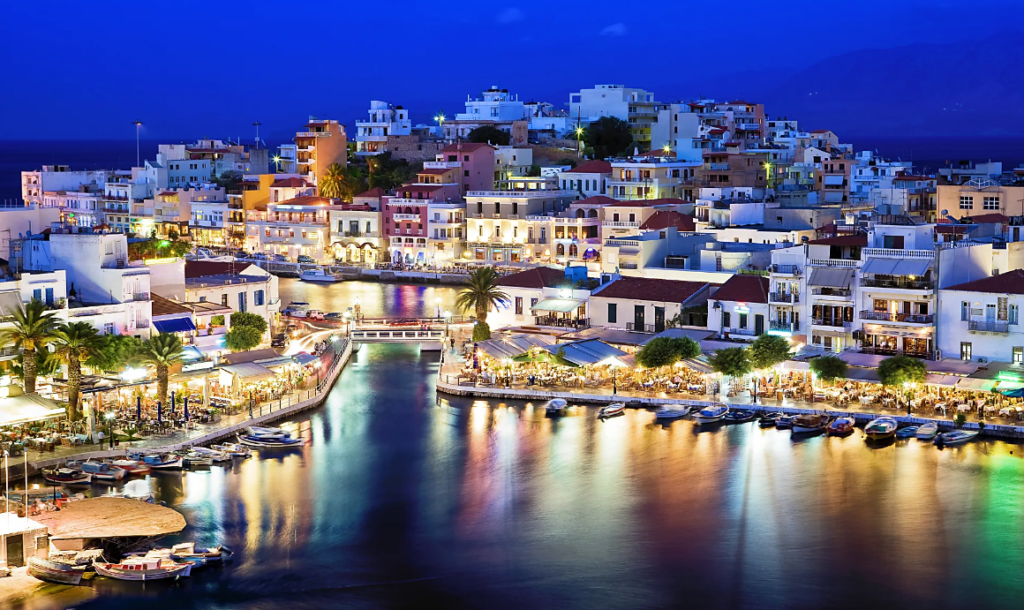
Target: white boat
(712, 414)
(320, 275)
(672, 412)
(214, 454)
(612, 410)
(268, 437)
(143, 568)
(809, 423)
(159, 461)
(927, 431)
(956, 437)
(881, 428)
(233, 449)
(100, 471)
(555, 406)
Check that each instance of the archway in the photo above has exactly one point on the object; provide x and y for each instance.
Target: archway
(580, 213)
(592, 213)
(560, 250)
(573, 250)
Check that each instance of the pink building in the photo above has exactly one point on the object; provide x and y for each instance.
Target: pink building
(476, 164)
(405, 222)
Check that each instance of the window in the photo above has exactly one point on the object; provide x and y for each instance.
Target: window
(202, 299)
(1018, 355)
(965, 310)
(257, 297)
(108, 328)
(966, 202)
(965, 351)
(726, 319)
(224, 300)
(990, 203)
(519, 306)
(465, 173)
(613, 313)
(533, 302)
(743, 320)
(241, 301)
(1013, 314)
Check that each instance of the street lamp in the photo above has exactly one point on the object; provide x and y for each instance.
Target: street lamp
(579, 135)
(138, 124)
(439, 117)
(277, 164)
(348, 322)
(447, 320)
(110, 429)
(437, 307)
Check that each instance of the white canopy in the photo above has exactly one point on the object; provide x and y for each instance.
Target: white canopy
(27, 408)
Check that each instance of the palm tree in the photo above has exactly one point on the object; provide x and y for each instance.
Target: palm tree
(33, 329)
(480, 292)
(75, 342)
(161, 351)
(332, 180)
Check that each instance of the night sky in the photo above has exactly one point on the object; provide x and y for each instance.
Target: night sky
(209, 69)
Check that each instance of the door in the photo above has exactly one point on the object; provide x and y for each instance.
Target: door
(659, 319)
(638, 318)
(15, 550)
(990, 313)
(759, 325)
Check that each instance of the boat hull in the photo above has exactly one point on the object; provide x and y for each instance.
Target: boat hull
(249, 441)
(49, 571)
(112, 571)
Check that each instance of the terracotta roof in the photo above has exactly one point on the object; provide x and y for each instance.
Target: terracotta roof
(982, 218)
(744, 289)
(305, 200)
(645, 203)
(375, 192)
(598, 200)
(905, 177)
(422, 188)
(842, 240)
(821, 131)
(290, 183)
(669, 218)
(1011, 282)
(356, 207)
(434, 171)
(538, 277)
(204, 268)
(592, 167)
(465, 147)
(166, 307)
(651, 289)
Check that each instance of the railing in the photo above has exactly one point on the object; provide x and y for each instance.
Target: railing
(831, 292)
(777, 325)
(894, 352)
(902, 284)
(562, 322)
(406, 216)
(640, 328)
(622, 242)
(895, 253)
(743, 332)
(832, 323)
(621, 224)
(313, 134)
(9, 351)
(989, 326)
(718, 166)
(781, 297)
(786, 269)
(847, 263)
(885, 316)
(140, 296)
(530, 193)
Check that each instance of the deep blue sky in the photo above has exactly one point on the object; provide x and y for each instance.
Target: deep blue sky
(192, 68)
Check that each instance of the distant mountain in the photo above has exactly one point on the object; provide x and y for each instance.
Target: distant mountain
(957, 89)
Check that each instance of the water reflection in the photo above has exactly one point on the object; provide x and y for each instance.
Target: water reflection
(376, 299)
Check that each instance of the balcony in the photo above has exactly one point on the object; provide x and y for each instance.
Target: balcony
(894, 253)
(831, 323)
(313, 134)
(718, 166)
(137, 296)
(782, 297)
(786, 326)
(846, 263)
(406, 217)
(785, 269)
(885, 316)
(879, 351)
(743, 332)
(844, 293)
(615, 224)
(898, 283)
(9, 352)
(988, 326)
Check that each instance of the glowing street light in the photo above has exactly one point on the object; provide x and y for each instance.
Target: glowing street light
(138, 125)
(277, 163)
(579, 136)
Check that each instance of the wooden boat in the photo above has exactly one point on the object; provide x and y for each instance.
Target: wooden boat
(908, 432)
(612, 410)
(143, 568)
(268, 438)
(555, 406)
(168, 555)
(51, 571)
(193, 459)
(739, 416)
(768, 420)
(668, 412)
(841, 426)
(214, 454)
(132, 467)
(956, 437)
(188, 550)
(233, 449)
(881, 428)
(927, 432)
(810, 423)
(712, 414)
(320, 275)
(785, 422)
(161, 461)
(67, 476)
(102, 471)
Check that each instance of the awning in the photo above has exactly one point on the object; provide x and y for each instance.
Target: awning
(304, 358)
(858, 374)
(833, 277)
(699, 366)
(275, 362)
(958, 367)
(558, 305)
(913, 266)
(10, 302)
(941, 380)
(589, 352)
(897, 266)
(249, 371)
(970, 383)
(174, 325)
(880, 266)
(858, 359)
(27, 408)
(250, 356)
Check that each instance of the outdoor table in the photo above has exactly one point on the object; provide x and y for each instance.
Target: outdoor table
(866, 400)
(963, 408)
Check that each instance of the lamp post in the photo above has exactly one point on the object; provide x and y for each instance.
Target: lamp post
(447, 320)
(439, 117)
(138, 125)
(348, 322)
(579, 136)
(277, 164)
(437, 307)
(110, 429)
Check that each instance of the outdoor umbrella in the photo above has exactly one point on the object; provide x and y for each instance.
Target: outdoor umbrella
(138, 408)
(543, 356)
(159, 412)
(186, 408)
(174, 400)
(476, 359)
(1018, 393)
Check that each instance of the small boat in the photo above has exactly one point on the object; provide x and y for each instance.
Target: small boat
(214, 454)
(810, 423)
(132, 467)
(841, 426)
(268, 438)
(908, 432)
(739, 416)
(320, 275)
(67, 476)
(667, 412)
(712, 414)
(927, 432)
(168, 555)
(193, 459)
(612, 410)
(555, 406)
(233, 449)
(188, 551)
(785, 422)
(881, 428)
(769, 420)
(161, 461)
(143, 568)
(102, 471)
(51, 571)
(956, 437)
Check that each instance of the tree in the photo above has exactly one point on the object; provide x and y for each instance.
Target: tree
(898, 370)
(609, 137)
(74, 343)
(768, 350)
(161, 351)
(567, 161)
(113, 352)
(534, 171)
(230, 180)
(386, 172)
(242, 338)
(664, 351)
(481, 292)
(481, 331)
(243, 318)
(33, 329)
(330, 183)
(828, 368)
(489, 134)
(731, 361)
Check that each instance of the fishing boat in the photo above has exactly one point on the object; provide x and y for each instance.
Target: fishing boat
(956, 437)
(233, 449)
(168, 555)
(881, 428)
(668, 412)
(132, 467)
(215, 455)
(134, 490)
(194, 460)
(908, 432)
(101, 471)
(143, 568)
(555, 406)
(612, 410)
(768, 420)
(268, 438)
(58, 573)
(927, 432)
(320, 275)
(160, 461)
(67, 476)
(810, 423)
(712, 414)
(841, 425)
(785, 422)
(189, 550)
(739, 416)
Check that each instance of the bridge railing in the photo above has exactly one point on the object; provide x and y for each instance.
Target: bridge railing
(397, 322)
(397, 335)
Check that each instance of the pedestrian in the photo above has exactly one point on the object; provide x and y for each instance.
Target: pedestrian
(615, 386)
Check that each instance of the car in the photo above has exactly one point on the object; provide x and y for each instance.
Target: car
(259, 256)
(279, 340)
(280, 258)
(335, 316)
(306, 259)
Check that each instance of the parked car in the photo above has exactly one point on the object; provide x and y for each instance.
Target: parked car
(279, 340)
(259, 256)
(335, 316)
(280, 258)
(306, 259)
(315, 314)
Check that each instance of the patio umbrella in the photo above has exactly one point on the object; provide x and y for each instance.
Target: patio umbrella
(476, 359)
(138, 408)
(174, 400)
(1017, 393)
(186, 408)
(159, 412)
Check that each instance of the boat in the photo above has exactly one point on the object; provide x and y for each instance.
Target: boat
(739, 416)
(712, 414)
(810, 423)
(841, 425)
(956, 437)
(908, 432)
(215, 455)
(268, 437)
(188, 550)
(134, 490)
(161, 461)
(168, 555)
(320, 275)
(768, 420)
(67, 476)
(233, 449)
(193, 459)
(612, 410)
(927, 432)
(556, 406)
(143, 568)
(58, 573)
(667, 412)
(132, 467)
(785, 422)
(102, 471)
(296, 309)
(881, 428)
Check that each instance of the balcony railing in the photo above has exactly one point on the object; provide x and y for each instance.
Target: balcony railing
(640, 328)
(616, 224)
(140, 296)
(988, 326)
(897, 283)
(847, 263)
(782, 297)
(885, 316)
(881, 351)
(786, 269)
(831, 323)
(777, 325)
(831, 292)
(896, 253)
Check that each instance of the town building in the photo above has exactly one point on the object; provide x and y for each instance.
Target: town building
(980, 319)
(511, 226)
(356, 236)
(385, 120)
(739, 308)
(979, 196)
(474, 163)
(322, 144)
(534, 286)
(651, 177)
(53, 178)
(496, 108)
(590, 179)
(290, 228)
(646, 305)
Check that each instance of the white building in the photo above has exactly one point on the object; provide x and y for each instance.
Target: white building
(645, 305)
(980, 320)
(589, 179)
(385, 120)
(48, 288)
(528, 288)
(739, 308)
(58, 178)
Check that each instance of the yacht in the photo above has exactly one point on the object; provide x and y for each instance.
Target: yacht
(319, 274)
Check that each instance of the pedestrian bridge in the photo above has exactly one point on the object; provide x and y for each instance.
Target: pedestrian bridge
(396, 336)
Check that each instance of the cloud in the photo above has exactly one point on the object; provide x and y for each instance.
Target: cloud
(615, 29)
(510, 15)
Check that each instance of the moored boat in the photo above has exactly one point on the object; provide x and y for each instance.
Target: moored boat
(956, 437)
(51, 571)
(810, 423)
(67, 476)
(161, 461)
(612, 410)
(555, 406)
(841, 425)
(143, 568)
(785, 422)
(908, 432)
(320, 275)
(132, 467)
(881, 428)
(215, 455)
(268, 438)
(712, 414)
(188, 550)
(233, 449)
(738, 416)
(768, 420)
(102, 471)
(668, 412)
(927, 432)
